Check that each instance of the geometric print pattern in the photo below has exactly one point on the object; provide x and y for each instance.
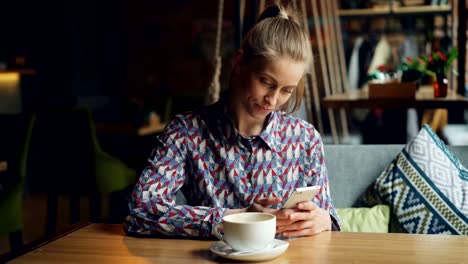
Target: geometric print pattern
(441, 166)
(409, 186)
(202, 155)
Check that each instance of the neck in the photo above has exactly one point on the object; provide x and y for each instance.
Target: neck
(245, 124)
(248, 127)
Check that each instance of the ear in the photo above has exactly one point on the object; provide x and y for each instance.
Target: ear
(237, 60)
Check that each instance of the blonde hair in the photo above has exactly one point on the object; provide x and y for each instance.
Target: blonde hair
(278, 34)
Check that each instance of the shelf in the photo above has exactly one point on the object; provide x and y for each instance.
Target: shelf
(405, 10)
(364, 12)
(427, 9)
(424, 99)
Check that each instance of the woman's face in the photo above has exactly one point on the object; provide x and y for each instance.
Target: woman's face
(264, 87)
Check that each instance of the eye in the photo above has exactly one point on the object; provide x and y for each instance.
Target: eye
(288, 90)
(266, 82)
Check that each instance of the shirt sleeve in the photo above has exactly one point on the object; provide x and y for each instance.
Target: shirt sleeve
(320, 172)
(152, 205)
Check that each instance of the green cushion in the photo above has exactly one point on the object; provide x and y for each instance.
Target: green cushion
(11, 201)
(112, 174)
(363, 219)
(11, 206)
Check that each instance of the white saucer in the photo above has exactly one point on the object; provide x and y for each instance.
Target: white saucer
(276, 248)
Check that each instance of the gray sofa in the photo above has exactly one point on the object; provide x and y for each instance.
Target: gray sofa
(352, 168)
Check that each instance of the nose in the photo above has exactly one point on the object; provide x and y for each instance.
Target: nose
(272, 97)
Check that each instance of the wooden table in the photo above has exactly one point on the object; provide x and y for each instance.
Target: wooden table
(101, 243)
(424, 99)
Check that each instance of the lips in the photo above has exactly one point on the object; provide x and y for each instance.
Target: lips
(264, 109)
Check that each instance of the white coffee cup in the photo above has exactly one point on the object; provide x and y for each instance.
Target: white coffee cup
(248, 231)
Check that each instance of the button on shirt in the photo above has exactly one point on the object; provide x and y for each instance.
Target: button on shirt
(202, 155)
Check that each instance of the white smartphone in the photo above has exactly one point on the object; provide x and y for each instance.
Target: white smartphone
(301, 194)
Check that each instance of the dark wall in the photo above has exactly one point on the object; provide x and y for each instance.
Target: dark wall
(114, 50)
(41, 32)
(74, 47)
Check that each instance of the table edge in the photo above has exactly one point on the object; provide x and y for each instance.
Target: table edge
(42, 242)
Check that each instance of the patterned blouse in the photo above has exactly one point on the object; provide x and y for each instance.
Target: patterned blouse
(203, 156)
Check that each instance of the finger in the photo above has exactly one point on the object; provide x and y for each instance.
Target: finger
(283, 216)
(269, 210)
(269, 201)
(299, 225)
(259, 208)
(281, 222)
(303, 228)
(302, 216)
(307, 206)
(285, 213)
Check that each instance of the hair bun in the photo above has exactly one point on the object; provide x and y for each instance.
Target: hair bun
(283, 14)
(273, 11)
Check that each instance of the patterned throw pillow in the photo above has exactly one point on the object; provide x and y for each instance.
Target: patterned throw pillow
(426, 187)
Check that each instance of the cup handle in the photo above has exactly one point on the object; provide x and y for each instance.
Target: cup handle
(217, 233)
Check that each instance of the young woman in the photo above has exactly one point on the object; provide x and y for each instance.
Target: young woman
(243, 153)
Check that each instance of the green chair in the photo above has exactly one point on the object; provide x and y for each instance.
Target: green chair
(11, 202)
(75, 165)
(112, 174)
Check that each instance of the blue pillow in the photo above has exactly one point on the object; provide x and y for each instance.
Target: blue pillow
(426, 187)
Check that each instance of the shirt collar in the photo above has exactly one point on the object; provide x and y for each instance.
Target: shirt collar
(270, 135)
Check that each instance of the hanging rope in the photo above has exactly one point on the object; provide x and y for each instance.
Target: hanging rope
(261, 7)
(214, 88)
(323, 63)
(341, 62)
(313, 80)
(306, 97)
(242, 14)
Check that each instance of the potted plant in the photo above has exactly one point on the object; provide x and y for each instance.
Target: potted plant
(436, 65)
(385, 82)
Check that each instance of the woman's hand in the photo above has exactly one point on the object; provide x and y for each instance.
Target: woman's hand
(261, 205)
(307, 220)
